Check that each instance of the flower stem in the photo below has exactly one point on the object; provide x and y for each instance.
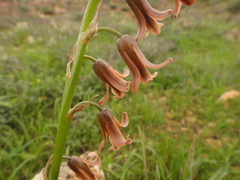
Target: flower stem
(70, 85)
(66, 157)
(91, 103)
(90, 58)
(111, 30)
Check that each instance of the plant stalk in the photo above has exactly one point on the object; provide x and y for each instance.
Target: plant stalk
(68, 93)
(111, 30)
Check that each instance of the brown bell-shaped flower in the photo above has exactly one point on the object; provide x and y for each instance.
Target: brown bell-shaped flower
(110, 127)
(110, 77)
(137, 62)
(178, 4)
(147, 17)
(82, 169)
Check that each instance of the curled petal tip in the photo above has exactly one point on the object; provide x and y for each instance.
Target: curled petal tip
(170, 60)
(177, 8)
(160, 24)
(154, 74)
(126, 73)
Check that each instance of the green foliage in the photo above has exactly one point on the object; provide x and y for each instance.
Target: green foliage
(188, 133)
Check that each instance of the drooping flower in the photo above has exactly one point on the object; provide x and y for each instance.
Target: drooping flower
(82, 169)
(147, 17)
(178, 4)
(110, 77)
(137, 62)
(110, 127)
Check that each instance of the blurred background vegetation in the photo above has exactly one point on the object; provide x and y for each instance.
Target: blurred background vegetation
(177, 119)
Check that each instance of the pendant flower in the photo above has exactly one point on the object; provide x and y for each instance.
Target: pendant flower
(178, 4)
(147, 16)
(110, 77)
(82, 169)
(110, 127)
(136, 62)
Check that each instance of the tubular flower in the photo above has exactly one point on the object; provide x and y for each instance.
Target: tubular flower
(147, 16)
(82, 169)
(178, 4)
(110, 77)
(136, 62)
(110, 127)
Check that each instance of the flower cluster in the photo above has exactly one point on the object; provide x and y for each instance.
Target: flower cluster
(147, 19)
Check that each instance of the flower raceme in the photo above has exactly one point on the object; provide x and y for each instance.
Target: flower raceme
(81, 167)
(178, 4)
(110, 127)
(110, 77)
(147, 17)
(136, 62)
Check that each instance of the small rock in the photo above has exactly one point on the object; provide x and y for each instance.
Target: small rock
(228, 95)
(22, 25)
(232, 34)
(67, 174)
(31, 40)
(59, 10)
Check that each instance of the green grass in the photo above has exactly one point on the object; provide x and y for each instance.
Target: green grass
(175, 119)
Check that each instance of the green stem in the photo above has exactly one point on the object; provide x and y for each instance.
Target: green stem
(111, 30)
(90, 58)
(91, 103)
(66, 157)
(81, 106)
(70, 85)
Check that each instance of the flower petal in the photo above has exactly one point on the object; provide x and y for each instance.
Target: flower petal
(153, 13)
(107, 74)
(106, 96)
(101, 146)
(110, 77)
(136, 76)
(116, 145)
(153, 26)
(130, 51)
(125, 74)
(177, 8)
(138, 59)
(108, 122)
(118, 94)
(81, 169)
(115, 135)
(117, 83)
(140, 19)
(124, 122)
(116, 138)
(94, 159)
(149, 64)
